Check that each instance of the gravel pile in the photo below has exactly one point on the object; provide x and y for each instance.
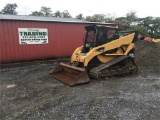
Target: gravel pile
(147, 56)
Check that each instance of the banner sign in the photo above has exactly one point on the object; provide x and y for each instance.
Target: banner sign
(33, 36)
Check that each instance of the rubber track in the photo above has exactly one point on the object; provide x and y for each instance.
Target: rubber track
(94, 71)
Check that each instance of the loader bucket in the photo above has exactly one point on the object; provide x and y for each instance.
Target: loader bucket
(70, 75)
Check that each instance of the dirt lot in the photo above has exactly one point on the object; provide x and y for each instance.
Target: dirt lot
(28, 92)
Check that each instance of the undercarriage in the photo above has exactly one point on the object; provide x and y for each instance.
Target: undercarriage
(120, 66)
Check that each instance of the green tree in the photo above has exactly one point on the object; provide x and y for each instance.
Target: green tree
(80, 16)
(36, 13)
(121, 21)
(57, 14)
(141, 30)
(131, 17)
(145, 22)
(65, 14)
(10, 9)
(109, 18)
(156, 26)
(46, 11)
(96, 18)
(148, 23)
(125, 22)
(89, 18)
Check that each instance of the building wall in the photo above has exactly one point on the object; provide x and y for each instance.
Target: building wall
(63, 39)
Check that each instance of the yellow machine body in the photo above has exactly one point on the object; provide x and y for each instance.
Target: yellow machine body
(123, 42)
(77, 72)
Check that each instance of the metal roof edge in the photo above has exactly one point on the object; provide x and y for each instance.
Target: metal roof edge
(62, 20)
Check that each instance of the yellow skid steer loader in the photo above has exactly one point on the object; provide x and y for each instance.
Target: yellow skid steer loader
(104, 54)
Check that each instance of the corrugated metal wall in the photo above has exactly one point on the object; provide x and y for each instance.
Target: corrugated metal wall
(63, 39)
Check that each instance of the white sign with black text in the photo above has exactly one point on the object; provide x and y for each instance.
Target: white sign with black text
(33, 36)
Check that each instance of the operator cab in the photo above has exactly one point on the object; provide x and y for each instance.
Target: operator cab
(97, 35)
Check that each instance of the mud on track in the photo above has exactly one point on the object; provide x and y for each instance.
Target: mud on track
(28, 92)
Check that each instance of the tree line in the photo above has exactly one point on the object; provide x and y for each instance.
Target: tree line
(149, 26)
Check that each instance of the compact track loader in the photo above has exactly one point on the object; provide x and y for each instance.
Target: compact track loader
(105, 53)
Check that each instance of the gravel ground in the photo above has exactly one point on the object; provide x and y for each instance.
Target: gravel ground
(29, 93)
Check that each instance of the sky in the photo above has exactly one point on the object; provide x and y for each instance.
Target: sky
(117, 8)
